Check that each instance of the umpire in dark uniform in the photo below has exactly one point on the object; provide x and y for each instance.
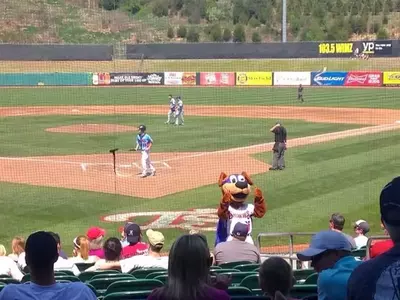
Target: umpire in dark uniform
(278, 160)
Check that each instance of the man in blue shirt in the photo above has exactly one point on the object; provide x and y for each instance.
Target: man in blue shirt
(379, 278)
(144, 143)
(330, 256)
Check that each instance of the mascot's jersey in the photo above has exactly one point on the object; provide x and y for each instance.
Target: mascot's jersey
(241, 215)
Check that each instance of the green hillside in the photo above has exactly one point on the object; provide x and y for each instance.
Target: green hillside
(137, 21)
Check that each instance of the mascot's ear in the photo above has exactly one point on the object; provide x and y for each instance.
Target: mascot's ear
(247, 177)
(221, 178)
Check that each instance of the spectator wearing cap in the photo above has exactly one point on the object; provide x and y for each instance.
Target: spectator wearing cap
(41, 255)
(336, 223)
(133, 235)
(81, 251)
(380, 247)
(330, 256)
(112, 254)
(237, 249)
(152, 260)
(124, 242)
(96, 238)
(378, 278)
(276, 276)
(361, 228)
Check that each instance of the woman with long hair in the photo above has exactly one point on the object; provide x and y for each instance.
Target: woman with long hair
(188, 272)
(81, 251)
(17, 248)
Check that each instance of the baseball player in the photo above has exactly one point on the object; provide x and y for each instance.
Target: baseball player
(179, 112)
(300, 93)
(144, 143)
(172, 107)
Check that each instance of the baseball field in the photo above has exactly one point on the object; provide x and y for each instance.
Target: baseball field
(57, 173)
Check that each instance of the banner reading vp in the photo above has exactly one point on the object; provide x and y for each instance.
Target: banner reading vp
(254, 78)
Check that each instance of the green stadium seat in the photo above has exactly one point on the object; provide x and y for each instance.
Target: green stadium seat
(155, 274)
(2, 286)
(4, 276)
(215, 267)
(303, 290)
(8, 280)
(86, 276)
(239, 291)
(64, 272)
(134, 285)
(312, 279)
(231, 265)
(302, 274)
(83, 266)
(247, 267)
(257, 292)
(102, 284)
(250, 281)
(163, 278)
(237, 277)
(140, 295)
(63, 281)
(92, 288)
(71, 278)
(142, 273)
(113, 275)
(219, 271)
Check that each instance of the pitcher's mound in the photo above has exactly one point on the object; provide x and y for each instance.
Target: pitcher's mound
(92, 128)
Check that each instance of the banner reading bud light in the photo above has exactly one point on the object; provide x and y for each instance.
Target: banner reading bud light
(217, 78)
(328, 78)
(361, 78)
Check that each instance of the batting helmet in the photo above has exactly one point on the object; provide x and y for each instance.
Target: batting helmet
(142, 128)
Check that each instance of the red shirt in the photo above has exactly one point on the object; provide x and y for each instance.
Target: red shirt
(380, 247)
(136, 249)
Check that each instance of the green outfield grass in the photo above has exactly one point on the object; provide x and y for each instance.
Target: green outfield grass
(314, 96)
(344, 176)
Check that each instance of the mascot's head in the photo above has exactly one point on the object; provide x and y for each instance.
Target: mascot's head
(237, 184)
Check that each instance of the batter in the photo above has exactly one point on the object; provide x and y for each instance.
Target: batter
(144, 142)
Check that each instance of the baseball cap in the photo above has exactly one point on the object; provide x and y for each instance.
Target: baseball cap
(95, 232)
(142, 128)
(363, 225)
(132, 233)
(155, 237)
(240, 230)
(390, 202)
(322, 241)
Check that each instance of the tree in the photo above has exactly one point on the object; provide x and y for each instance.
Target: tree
(216, 33)
(382, 34)
(240, 13)
(358, 25)
(313, 32)
(132, 6)
(193, 35)
(254, 22)
(239, 35)
(170, 33)
(109, 4)
(182, 31)
(256, 38)
(227, 35)
(160, 8)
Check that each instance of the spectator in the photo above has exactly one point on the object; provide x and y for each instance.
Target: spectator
(96, 238)
(188, 272)
(361, 228)
(378, 278)
(41, 255)
(124, 242)
(58, 240)
(134, 238)
(63, 264)
(10, 268)
(152, 260)
(276, 275)
(380, 247)
(81, 251)
(237, 249)
(3, 251)
(330, 256)
(112, 254)
(17, 248)
(336, 223)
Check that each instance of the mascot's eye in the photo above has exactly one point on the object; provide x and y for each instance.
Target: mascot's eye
(241, 178)
(233, 178)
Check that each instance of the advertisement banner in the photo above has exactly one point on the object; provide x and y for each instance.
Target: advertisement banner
(101, 78)
(328, 78)
(217, 78)
(361, 78)
(292, 78)
(136, 78)
(254, 78)
(180, 78)
(376, 48)
(391, 78)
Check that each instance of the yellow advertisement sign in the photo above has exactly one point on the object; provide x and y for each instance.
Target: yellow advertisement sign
(391, 78)
(254, 78)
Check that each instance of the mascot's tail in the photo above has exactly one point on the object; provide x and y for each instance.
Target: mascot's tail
(222, 232)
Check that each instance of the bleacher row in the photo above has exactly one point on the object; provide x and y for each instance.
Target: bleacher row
(138, 284)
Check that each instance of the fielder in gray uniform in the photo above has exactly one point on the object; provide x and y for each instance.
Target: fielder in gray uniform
(278, 160)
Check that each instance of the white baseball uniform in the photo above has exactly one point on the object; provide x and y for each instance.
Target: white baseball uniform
(171, 112)
(179, 113)
(241, 215)
(144, 142)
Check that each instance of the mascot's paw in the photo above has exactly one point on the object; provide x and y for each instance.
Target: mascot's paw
(226, 198)
(258, 196)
